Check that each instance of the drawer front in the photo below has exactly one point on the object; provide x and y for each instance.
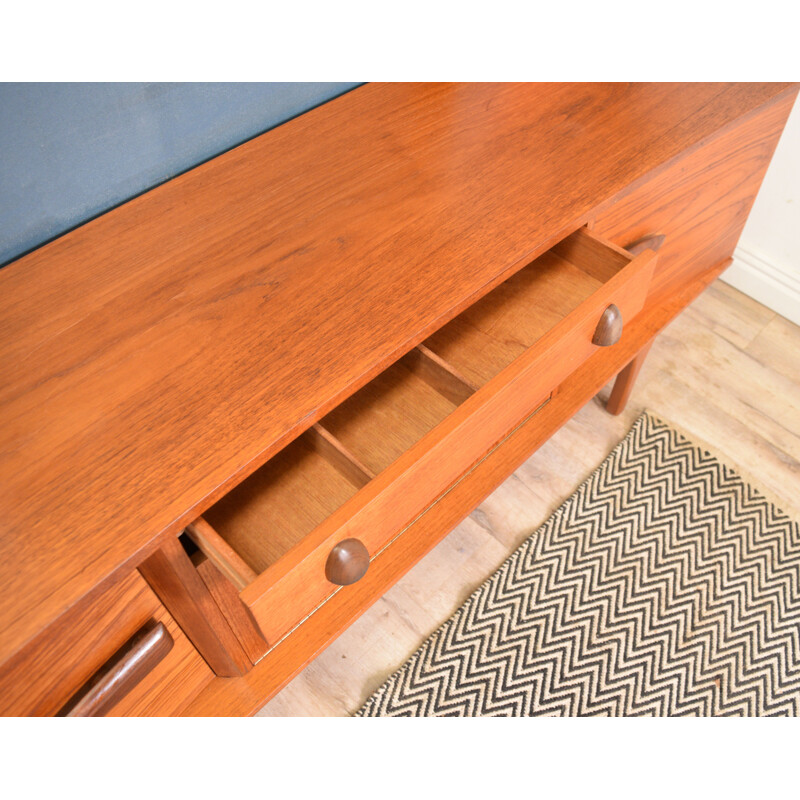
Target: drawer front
(49, 675)
(296, 585)
(171, 684)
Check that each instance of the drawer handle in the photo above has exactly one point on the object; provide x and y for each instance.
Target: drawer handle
(609, 329)
(650, 242)
(347, 562)
(127, 667)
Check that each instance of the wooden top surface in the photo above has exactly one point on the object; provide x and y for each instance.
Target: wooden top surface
(158, 354)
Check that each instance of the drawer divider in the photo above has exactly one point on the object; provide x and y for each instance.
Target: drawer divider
(439, 374)
(338, 456)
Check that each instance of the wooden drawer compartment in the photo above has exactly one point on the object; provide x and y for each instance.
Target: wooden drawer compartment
(290, 496)
(54, 671)
(381, 459)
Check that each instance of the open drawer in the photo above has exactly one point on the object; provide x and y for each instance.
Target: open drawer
(309, 521)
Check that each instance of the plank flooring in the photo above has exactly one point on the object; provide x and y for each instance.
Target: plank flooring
(727, 370)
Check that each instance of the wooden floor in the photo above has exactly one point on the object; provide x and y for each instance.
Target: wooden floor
(726, 370)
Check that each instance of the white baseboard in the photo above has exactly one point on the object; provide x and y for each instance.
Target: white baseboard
(770, 283)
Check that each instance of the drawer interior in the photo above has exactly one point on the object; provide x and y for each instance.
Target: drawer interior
(273, 509)
(299, 488)
(388, 416)
(267, 514)
(489, 335)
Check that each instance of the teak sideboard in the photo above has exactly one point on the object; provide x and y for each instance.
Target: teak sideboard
(239, 407)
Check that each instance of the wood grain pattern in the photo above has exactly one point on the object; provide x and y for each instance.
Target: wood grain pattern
(157, 355)
(173, 577)
(127, 668)
(699, 203)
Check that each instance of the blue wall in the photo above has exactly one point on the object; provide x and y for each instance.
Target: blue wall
(69, 151)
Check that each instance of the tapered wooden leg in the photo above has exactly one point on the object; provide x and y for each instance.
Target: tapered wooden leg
(623, 385)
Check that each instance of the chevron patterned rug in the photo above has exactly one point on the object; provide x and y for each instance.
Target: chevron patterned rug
(665, 586)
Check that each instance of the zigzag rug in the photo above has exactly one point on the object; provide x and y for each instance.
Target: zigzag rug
(665, 585)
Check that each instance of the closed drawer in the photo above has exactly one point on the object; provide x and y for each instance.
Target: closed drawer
(307, 524)
(120, 653)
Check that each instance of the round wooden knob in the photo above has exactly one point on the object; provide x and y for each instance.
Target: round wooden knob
(609, 329)
(347, 562)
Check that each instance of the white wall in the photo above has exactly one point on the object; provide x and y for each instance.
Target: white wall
(766, 263)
